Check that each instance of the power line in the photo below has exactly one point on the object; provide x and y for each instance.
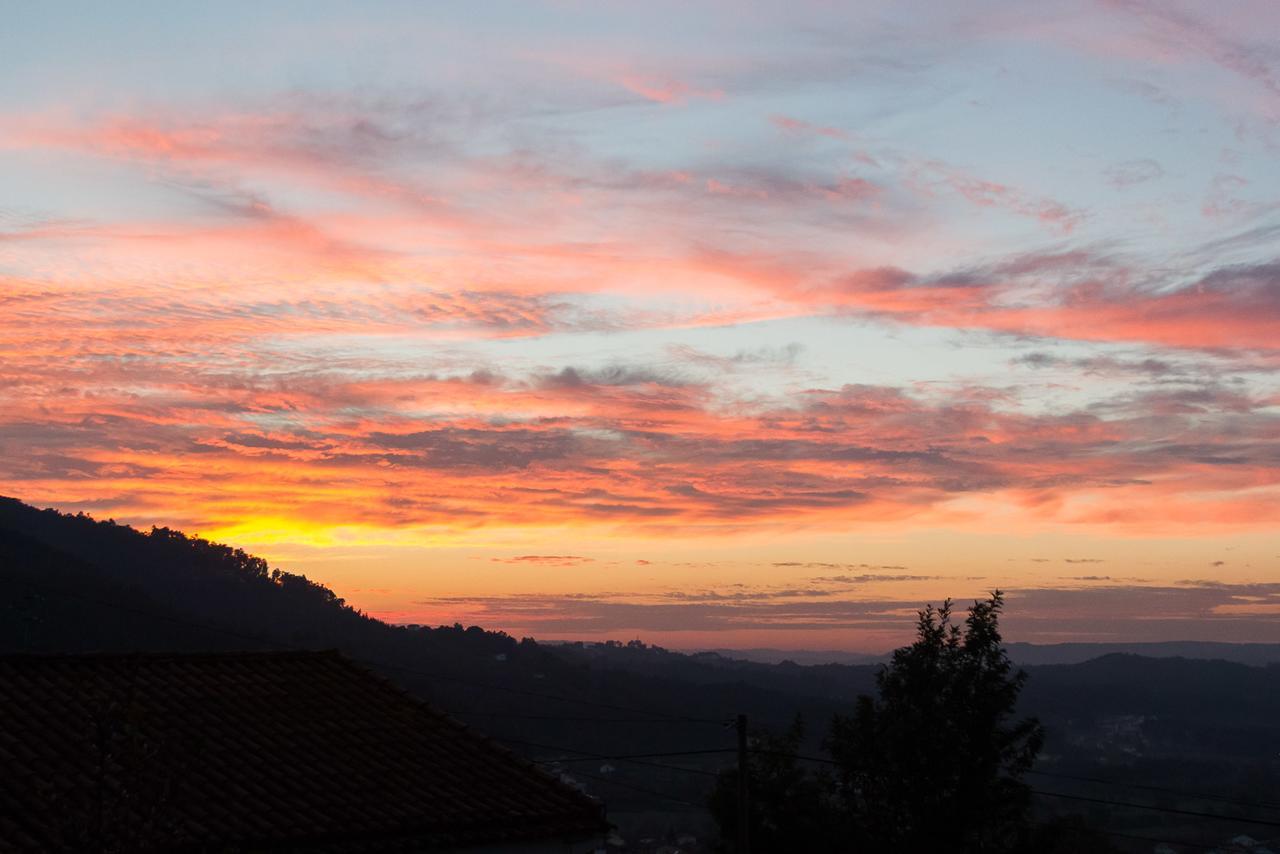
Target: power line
(589, 754)
(1156, 839)
(1082, 798)
(1153, 808)
(635, 788)
(634, 758)
(663, 765)
(826, 761)
(820, 759)
(664, 717)
(1118, 834)
(567, 718)
(1104, 801)
(542, 695)
(1164, 789)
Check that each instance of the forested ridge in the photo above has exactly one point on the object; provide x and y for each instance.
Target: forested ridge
(71, 583)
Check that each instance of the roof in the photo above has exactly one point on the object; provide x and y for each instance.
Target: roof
(295, 750)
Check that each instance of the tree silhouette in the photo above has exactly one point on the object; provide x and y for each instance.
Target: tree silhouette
(935, 760)
(791, 808)
(937, 757)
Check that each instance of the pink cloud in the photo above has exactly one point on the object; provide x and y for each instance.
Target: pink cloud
(662, 89)
(623, 447)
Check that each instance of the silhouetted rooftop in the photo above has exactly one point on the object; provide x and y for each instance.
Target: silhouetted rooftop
(281, 750)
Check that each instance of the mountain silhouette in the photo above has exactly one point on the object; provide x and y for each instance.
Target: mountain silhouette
(70, 584)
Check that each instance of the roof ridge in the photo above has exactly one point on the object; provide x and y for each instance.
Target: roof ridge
(486, 740)
(151, 655)
(388, 764)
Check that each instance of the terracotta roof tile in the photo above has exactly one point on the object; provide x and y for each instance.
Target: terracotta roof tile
(279, 750)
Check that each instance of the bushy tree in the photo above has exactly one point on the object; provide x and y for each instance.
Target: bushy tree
(936, 759)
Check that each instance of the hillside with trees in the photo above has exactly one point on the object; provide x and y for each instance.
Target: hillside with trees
(1193, 735)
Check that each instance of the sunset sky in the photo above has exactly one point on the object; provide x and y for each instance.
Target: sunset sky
(716, 324)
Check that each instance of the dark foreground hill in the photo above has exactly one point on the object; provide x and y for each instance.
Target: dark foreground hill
(1190, 728)
(70, 583)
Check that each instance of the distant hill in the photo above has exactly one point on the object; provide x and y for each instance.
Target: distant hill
(70, 583)
(1029, 654)
(1204, 717)
(76, 584)
(766, 655)
(1256, 654)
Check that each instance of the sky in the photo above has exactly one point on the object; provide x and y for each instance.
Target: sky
(715, 324)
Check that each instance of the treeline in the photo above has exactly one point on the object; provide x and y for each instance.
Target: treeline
(70, 583)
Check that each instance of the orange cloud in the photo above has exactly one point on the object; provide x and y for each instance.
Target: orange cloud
(626, 448)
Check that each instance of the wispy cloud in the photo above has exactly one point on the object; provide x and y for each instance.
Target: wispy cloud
(546, 560)
(1097, 612)
(652, 273)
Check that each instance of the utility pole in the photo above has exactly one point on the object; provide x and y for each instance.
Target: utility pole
(744, 801)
